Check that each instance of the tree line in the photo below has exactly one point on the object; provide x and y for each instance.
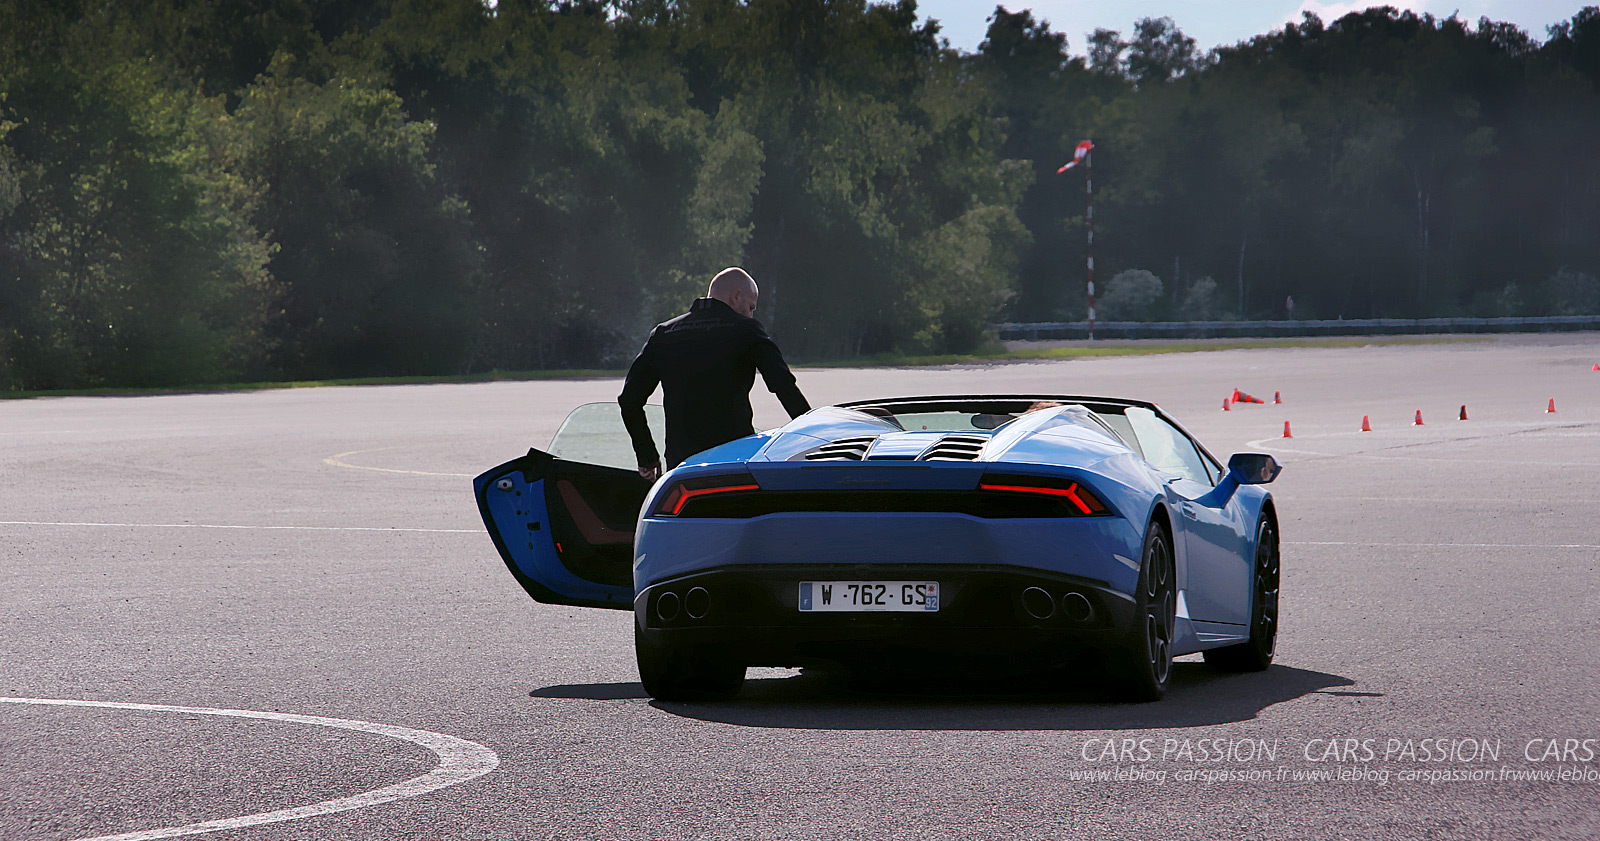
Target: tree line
(197, 192)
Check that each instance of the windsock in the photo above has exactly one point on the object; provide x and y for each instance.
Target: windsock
(1077, 156)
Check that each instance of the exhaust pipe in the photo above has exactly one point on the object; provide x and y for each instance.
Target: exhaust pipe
(1038, 603)
(667, 606)
(1077, 607)
(697, 603)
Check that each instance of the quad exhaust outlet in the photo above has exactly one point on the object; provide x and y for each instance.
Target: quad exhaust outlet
(1042, 605)
(694, 604)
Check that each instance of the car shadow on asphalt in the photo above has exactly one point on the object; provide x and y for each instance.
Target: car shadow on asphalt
(822, 700)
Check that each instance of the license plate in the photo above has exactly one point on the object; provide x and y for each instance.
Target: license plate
(864, 596)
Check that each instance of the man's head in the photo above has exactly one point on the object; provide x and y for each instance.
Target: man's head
(736, 289)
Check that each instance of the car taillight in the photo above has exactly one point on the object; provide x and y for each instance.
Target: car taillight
(1078, 500)
(672, 502)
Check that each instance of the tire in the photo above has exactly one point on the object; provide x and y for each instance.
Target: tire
(682, 674)
(1255, 654)
(1143, 665)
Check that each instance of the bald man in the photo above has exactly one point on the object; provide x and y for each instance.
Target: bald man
(705, 362)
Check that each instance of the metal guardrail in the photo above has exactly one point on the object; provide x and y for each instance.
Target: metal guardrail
(1015, 331)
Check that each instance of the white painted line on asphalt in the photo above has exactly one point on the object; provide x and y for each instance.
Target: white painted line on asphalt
(216, 526)
(1271, 444)
(338, 460)
(459, 761)
(1445, 545)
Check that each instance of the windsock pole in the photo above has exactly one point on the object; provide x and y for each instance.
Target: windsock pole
(1088, 188)
(1082, 154)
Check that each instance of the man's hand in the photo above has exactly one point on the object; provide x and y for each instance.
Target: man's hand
(652, 472)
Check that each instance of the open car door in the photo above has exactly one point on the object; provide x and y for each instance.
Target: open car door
(563, 518)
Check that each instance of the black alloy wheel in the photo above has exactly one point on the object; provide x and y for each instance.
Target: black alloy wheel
(1145, 664)
(681, 673)
(1255, 654)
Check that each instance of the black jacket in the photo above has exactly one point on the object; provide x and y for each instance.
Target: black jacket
(705, 362)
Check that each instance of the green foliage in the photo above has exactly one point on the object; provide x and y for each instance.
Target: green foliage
(1046, 100)
(194, 191)
(1569, 292)
(1382, 164)
(129, 258)
(598, 194)
(883, 217)
(1130, 296)
(1200, 302)
(1160, 52)
(11, 257)
(375, 258)
(719, 207)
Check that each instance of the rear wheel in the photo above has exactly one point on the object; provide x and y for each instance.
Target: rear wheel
(672, 672)
(1255, 654)
(1144, 663)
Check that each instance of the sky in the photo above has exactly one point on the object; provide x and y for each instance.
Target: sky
(1218, 22)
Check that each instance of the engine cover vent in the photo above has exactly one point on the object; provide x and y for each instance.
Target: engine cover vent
(956, 448)
(844, 449)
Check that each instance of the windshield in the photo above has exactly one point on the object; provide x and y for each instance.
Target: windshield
(951, 421)
(983, 414)
(594, 434)
(968, 418)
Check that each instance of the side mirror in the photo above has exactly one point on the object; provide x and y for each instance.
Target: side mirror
(1253, 468)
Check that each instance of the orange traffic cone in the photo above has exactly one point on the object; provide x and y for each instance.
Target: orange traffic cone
(1286, 430)
(1225, 405)
(1552, 406)
(1463, 411)
(1596, 367)
(1366, 425)
(1235, 397)
(1418, 421)
(1276, 398)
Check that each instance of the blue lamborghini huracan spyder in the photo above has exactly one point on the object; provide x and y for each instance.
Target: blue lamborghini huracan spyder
(907, 534)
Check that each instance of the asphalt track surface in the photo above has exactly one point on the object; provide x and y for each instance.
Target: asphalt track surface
(317, 553)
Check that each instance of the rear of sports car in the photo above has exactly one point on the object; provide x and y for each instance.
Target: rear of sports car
(903, 534)
(899, 561)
